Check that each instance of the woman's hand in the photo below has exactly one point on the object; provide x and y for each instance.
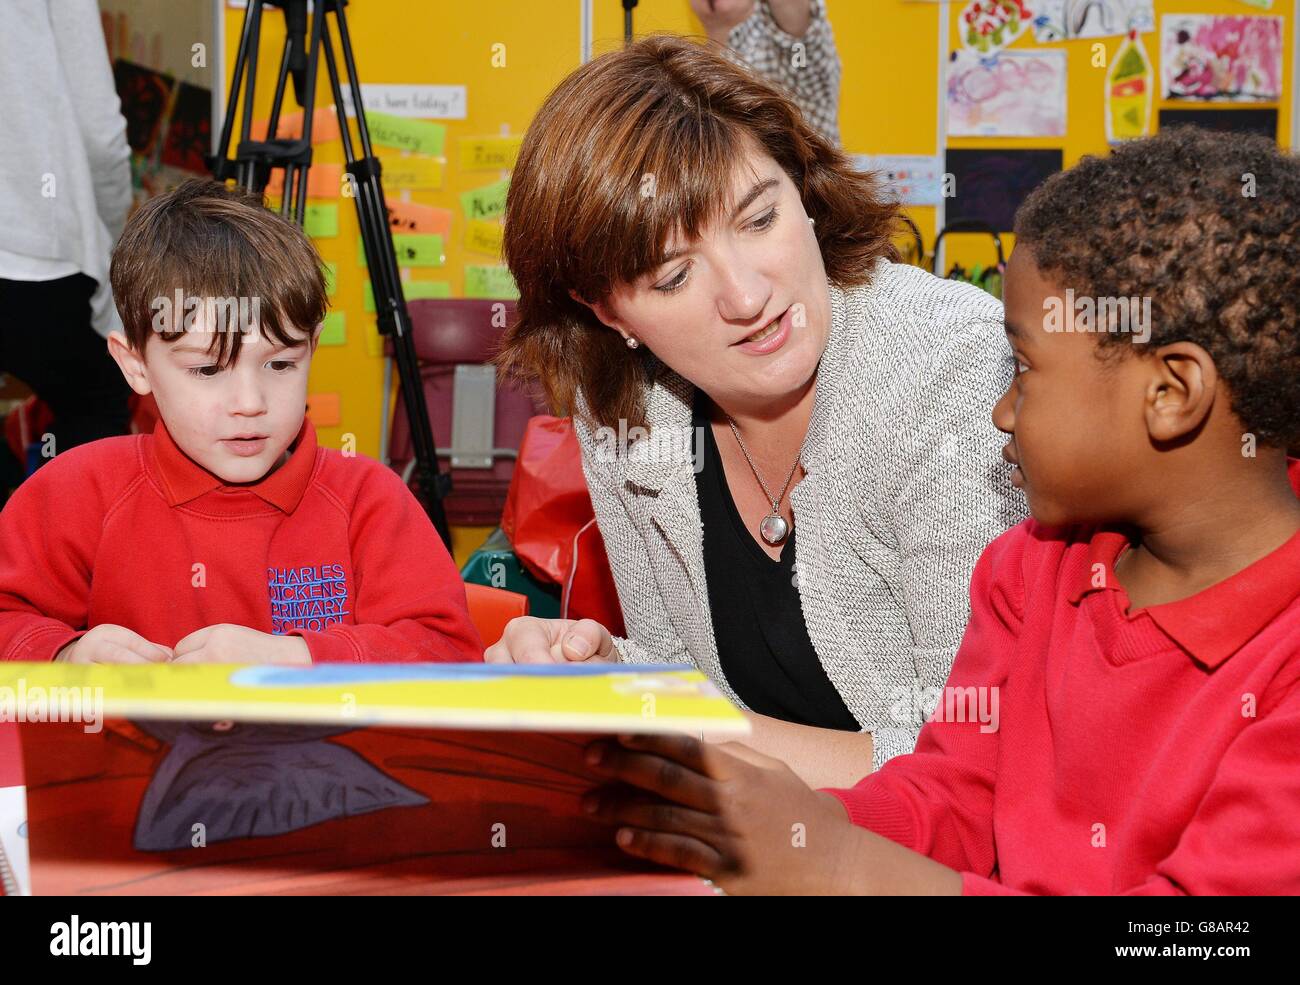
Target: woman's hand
(528, 640)
(724, 812)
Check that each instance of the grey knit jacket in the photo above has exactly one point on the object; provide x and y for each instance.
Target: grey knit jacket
(904, 487)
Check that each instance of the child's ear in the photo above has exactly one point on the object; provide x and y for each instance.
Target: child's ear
(1180, 392)
(130, 362)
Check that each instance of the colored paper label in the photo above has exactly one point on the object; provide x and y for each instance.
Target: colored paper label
(487, 202)
(419, 136)
(484, 281)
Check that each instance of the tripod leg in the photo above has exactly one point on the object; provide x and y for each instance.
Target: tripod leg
(390, 304)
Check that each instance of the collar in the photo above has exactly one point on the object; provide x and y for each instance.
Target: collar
(1213, 624)
(184, 480)
(654, 461)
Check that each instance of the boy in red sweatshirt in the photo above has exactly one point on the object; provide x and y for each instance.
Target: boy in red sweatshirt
(227, 535)
(1123, 714)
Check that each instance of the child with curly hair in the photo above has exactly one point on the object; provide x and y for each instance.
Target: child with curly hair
(1138, 640)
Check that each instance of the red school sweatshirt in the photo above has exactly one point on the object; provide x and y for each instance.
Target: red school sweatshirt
(1145, 753)
(131, 531)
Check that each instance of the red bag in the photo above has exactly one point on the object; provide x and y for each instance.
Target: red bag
(552, 527)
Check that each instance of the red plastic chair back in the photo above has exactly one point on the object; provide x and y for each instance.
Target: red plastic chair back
(448, 332)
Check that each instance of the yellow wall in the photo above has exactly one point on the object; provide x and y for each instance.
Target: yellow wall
(890, 53)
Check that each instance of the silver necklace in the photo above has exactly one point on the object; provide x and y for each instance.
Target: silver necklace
(772, 528)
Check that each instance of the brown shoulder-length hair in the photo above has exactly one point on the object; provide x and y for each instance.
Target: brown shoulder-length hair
(629, 148)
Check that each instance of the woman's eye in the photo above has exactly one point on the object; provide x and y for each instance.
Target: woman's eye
(205, 372)
(676, 284)
(766, 221)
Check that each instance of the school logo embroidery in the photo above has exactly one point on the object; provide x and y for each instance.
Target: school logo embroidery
(310, 597)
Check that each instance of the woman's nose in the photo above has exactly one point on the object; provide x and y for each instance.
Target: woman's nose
(744, 294)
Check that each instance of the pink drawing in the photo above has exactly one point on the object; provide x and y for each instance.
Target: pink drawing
(1228, 59)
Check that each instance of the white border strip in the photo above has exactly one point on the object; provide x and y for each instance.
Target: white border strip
(585, 16)
(1295, 75)
(941, 129)
(218, 62)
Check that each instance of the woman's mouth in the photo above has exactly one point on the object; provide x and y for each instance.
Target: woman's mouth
(770, 337)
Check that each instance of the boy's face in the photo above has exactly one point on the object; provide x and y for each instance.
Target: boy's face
(235, 422)
(1079, 438)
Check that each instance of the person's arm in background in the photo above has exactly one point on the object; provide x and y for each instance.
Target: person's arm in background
(794, 17)
(788, 42)
(83, 59)
(719, 17)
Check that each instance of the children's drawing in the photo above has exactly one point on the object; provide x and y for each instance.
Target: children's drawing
(1062, 20)
(988, 25)
(1129, 91)
(1007, 94)
(1224, 59)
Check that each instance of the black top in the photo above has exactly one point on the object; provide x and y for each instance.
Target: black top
(758, 622)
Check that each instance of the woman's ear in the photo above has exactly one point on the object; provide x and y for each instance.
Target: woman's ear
(1181, 391)
(603, 311)
(130, 362)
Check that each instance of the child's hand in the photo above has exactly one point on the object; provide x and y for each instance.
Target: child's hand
(110, 644)
(225, 643)
(726, 813)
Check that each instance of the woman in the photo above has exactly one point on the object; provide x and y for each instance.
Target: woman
(689, 252)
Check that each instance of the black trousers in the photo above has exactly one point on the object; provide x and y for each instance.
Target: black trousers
(46, 340)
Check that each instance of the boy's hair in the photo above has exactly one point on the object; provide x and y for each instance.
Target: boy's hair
(212, 241)
(1208, 226)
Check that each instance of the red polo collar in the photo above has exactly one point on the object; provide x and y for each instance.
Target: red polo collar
(185, 480)
(1214, 624)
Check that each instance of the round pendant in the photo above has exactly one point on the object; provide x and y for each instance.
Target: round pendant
(773, 528)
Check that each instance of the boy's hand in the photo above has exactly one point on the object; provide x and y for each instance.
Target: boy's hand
(225, 643)
(726, 813)
(110, 644)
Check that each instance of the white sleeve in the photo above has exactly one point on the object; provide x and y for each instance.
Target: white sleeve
(83, 59)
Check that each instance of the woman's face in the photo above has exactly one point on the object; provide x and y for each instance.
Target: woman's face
(744, 311)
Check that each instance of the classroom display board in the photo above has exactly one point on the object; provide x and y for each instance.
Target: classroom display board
(1025, 78)
(1001, 91)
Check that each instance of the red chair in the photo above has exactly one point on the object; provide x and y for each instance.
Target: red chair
(491, 608)
(478, 421)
